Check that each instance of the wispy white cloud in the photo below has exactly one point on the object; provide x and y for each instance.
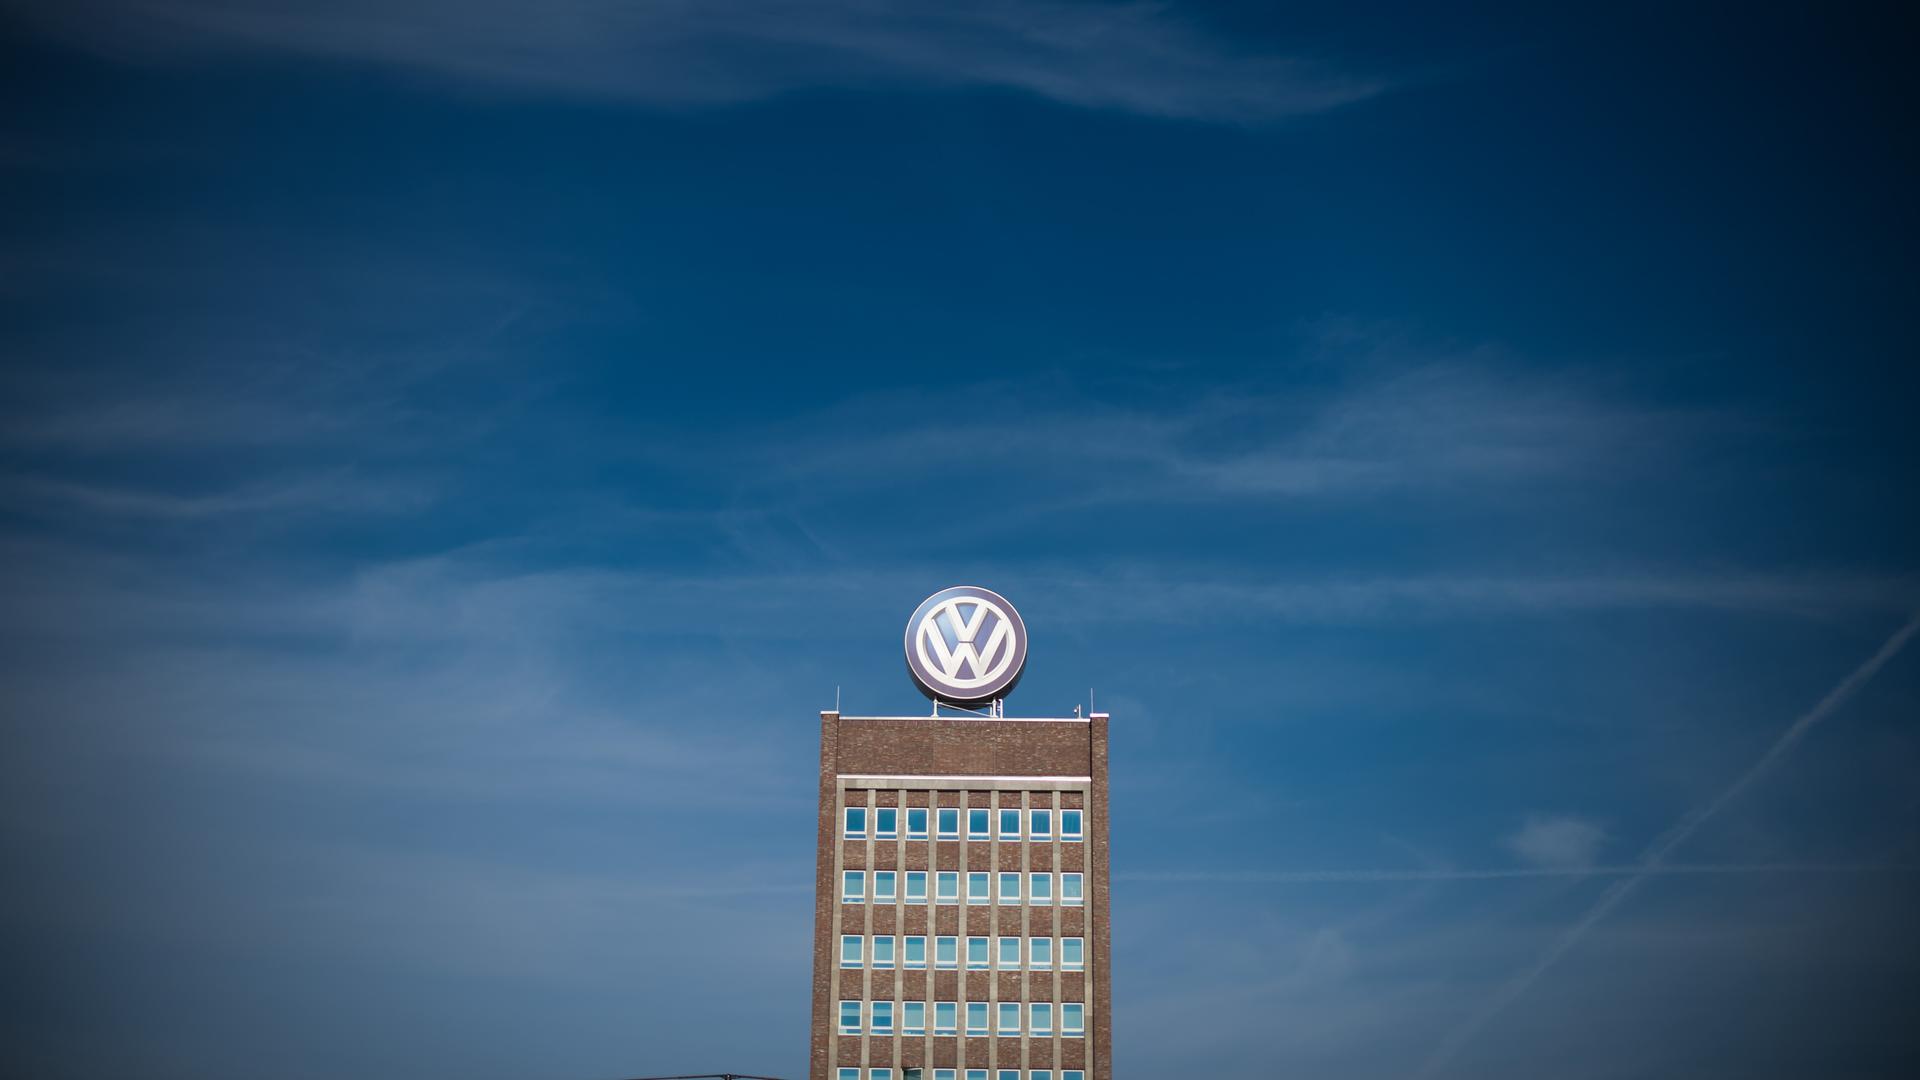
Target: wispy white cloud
(1557, 842)
(1137, 57)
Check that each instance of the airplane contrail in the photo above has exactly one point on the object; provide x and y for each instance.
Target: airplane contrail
(1341, 877)
(1652, 860)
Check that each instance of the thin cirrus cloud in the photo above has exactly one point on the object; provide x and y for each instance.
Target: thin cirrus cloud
(1131, 57)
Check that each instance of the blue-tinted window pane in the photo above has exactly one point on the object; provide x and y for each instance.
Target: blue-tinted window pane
(946, 952)
(917, 823)
(856, 823)
(853, 886)
(977, 954)
(1072, 889)
(947, 887)
(1009, 1018)
(1073, 953)
(1073, 1019)
(883, 953)
(1010, 888)
(977, 888)
(944, 1017)
(977, 822)
(883, 1018)
(1009, 954)
(1069, 824)
(850, 951)
(1040, 889)
(886, 823)
(977, 1021)
(1042, 1019)
(1040, 953)
(913, 1018)
(916, 953)
(949, 822)
(850, 1017)
(1009, 824)
(884, 883)
(1040, 824)
(916, 886)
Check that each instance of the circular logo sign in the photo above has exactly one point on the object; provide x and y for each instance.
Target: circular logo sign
(966, 644)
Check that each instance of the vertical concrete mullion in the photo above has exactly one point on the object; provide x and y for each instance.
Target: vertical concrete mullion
(1059, 911)
(993, 931)
(833, 934)
(960, 944)
(1026, 929)
(866, 942)
(899, 926)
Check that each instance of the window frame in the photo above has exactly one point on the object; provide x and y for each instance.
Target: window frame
(1073, 1008)
(952, 941)
(986, 951)
(892, 878)
(941, 877)
(940, 819)
(1034, 1011)
(1035, 817)
(906, 952)
(953, 1013)
(1000, 1027)
(907, 1028)
(1000, 892)
(859, 950)
(859, 876)
(846, 823)
(1035, 946)
(880, 830)
(1080, 824)
(1001, 832)
(892, 949)
(986, 1020)
(911, 875)
(985, 817)
(847, 1074)
(1000, 953)
(985, 896)
(859, 1018)
(920, 833)
(1081, 877)
(873, 1018)
(1040, 881)
(1079, 946)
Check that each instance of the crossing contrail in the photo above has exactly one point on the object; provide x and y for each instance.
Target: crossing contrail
(1653, 859)
(1343, 877)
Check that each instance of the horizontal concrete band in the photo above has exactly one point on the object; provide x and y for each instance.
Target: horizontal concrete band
(983, 719)
(965, 783)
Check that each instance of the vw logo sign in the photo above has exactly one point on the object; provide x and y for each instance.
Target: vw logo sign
(966, 644)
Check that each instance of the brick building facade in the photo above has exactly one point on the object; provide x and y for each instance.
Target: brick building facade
(961, 923)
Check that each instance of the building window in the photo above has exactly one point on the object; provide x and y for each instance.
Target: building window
(848, 1074)
(976, 954)
(976, 1021)
(883, 1018)
(976, 1074)
(1040, 1074)
(1009, 1018)
(853, 886)
(1040, 889)
(916, 954)
(883, 953)
(1010, 888)
(849, 1018)
(1072, 890)
(945, 1015)
(850, 951)
(946, 953)
(886, 823)
(884, 884)
(977, 822)
(916, 886)
(1073, 954)
(1009, 954)
(977, 888)
(943, 1074)
(916, 823)
(1040, 954)
(1073, 1020)
(947, 818)
(855, 827)
(913, 1018)
(879, 1074)
(1010, 824)
(1040, 825)
(1072, 1074)
(1007, 1074)
(1041, 1020)
(947, 887)
(1069, 824)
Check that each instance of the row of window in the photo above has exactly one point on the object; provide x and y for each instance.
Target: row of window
(879, 1015)
(982, 954)
(981, 887)
(954, 1074)
(946, 823)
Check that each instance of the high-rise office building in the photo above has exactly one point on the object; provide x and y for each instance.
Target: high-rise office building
(961, 914)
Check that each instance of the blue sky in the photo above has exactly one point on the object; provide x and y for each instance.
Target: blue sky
(449, 453)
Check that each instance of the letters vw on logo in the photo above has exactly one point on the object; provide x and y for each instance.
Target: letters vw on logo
(966, 644)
